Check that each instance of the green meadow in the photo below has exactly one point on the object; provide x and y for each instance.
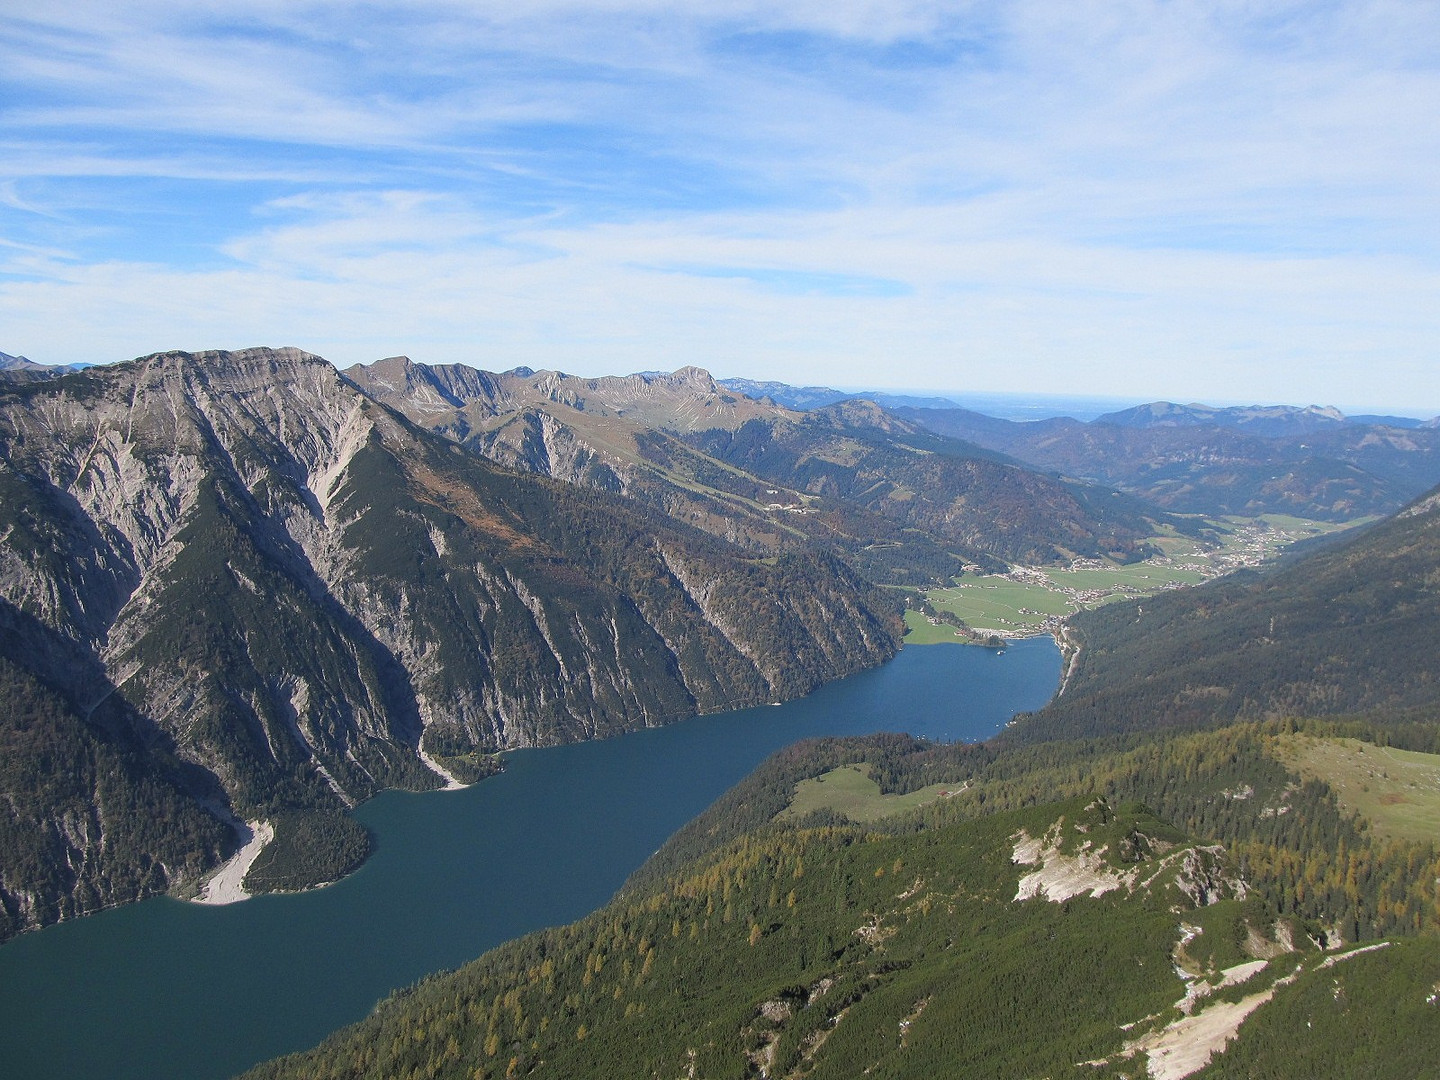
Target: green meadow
(998, 603)
(1033, 600)
(1396, 791)
(849, 790)
(919, 630)
(1142, 577)
(1299, 528)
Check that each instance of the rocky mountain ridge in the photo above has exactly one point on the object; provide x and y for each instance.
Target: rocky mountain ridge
(269, 591)
(904, 504)
(1310, 461)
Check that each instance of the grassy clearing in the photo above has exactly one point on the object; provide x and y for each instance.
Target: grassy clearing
(1299, 528)
(1397, 791)
(1034, 600)
(1180, 547)
(1003, 604)
(919, 630)
(1143, 577)
(850, 791)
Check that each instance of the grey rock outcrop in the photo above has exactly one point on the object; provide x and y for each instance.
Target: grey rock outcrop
(275, 591)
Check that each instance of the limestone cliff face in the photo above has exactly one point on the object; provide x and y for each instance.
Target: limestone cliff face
(265, 588)
(594, 432)
(620, 434)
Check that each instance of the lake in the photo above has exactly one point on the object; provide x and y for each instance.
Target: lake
(165, 989)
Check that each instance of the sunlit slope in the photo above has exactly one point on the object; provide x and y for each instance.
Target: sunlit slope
(828, 953)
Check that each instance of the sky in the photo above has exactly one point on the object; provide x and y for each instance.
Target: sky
(1215, 201)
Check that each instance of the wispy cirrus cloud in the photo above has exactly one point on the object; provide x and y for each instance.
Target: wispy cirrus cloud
(1207, 195)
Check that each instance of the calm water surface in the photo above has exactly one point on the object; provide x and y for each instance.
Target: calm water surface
(167, 989)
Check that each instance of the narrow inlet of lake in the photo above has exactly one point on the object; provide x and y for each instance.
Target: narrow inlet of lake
(164, 989)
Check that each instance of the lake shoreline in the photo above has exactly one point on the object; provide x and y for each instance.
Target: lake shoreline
(544, 842)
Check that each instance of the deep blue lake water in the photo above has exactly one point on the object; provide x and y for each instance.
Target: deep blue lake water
(165, 989)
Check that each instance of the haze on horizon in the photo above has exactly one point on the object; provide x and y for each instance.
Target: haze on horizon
(1195, 201)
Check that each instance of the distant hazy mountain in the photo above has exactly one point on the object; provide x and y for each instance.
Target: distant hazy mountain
(804, 398)
(1310, 461)
(1268, 420)
(1272, 421)
(23, 366)
(1376, 419)
(855, 453)
(792, 397)
(1194, 459)
(235, 577)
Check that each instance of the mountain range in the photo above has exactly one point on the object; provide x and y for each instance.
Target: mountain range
(904, 504)
(24, 367)
(804, 398)
(1271, 421)
(1334, 472)
(252, 588)
(233, 580)
(1260, 419)
(248, 586)
(1309, 461)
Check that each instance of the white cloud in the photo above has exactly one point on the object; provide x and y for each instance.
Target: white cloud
(1172, 198)
(985, 312)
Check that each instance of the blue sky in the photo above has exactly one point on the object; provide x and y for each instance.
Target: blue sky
(1222, 201)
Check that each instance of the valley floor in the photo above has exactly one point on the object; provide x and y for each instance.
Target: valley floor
(1033, 600)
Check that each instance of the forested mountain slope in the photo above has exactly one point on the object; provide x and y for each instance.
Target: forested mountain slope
(992, 932)
(234, 577)
(857, 453)
(1348, 627)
